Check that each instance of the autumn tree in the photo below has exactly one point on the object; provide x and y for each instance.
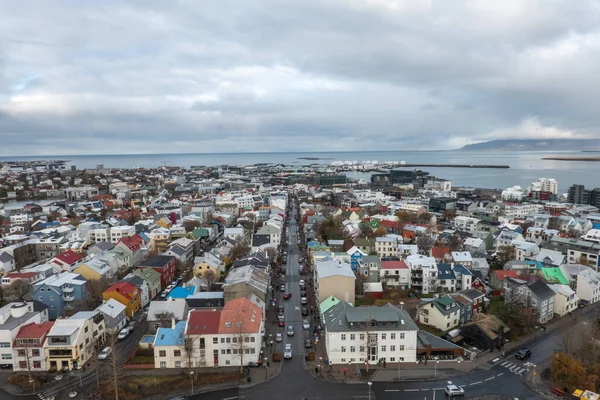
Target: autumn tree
(240, 250)
(191, 225)
(504, 254)
(572, 374)
(424, 218)
(449, 214)
(379, 232)
(331, 229)
(404, 216)
(19, 290)
(518, 315)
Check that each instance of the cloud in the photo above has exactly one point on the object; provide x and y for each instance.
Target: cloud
(303, 75)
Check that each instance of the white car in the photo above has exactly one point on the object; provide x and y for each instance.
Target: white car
(278, 337)
(303, 300)
(104, 353)
(301, 282)
(453, 390)
(123, 334)
(305, 324)
(287, 352)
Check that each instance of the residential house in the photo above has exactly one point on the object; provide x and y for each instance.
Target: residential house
(395, 273)
(485, 332)
(423, 273)
(69, 344)
(236, 233)
(367, 246)
(160, 313)
(588, 285)
(98, 324)
(259, 241)
(475, 298)
(565, 301)
(443, 313)
(358, 335)
(498, 278)
(126, 294)
(28, 277)
(182, 249)
(446, 279)
(246, 282)
(386, 246)
(464, 276)
(130, 250)
(462, 257)
(206, 300)
(550, 257)
(524, 250)
(12, 317)
(7, 263)
(370, 267)
(141, 285)
(202, 329)
(62, 293)
(334, 278)
(537, 295)
(65, 261)
(152, 279)
(115, 316)
(482, 266)
(164, 265)
(28, 347)
(104, 265)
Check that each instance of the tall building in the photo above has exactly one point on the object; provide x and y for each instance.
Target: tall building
(578, 195)
(544, 185)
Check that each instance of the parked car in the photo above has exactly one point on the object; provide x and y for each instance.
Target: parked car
(287, 296)
(123, 334)
(104, 353)
(303, 300)
(282, 288)
(281, 322)
(131, 325)
(287, 352)
(280, 311)
(278, 337)
(305, 324)
(301, 282)
(304, 311)
(290, 330)
(523, 354)
(453, 390)
(307, 343)
(303, 293)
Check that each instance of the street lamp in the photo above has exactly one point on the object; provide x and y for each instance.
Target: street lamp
(192, 381)
(369, 383)
(435, 368)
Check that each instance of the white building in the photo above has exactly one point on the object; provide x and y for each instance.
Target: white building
(514, 193)
(463, 223)
(565, 301)
(70, 343)
(355, 335)
(118, 232)
(386, 246)
(544, 185)
(423, 273)
(12, 317)
(520, 211)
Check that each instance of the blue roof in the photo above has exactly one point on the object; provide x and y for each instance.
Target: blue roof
(181, 292)
(144, 237)
(538, 264)
(313, 243)
(170, 336)
(461, 269)
(445, 272)
(148, 339)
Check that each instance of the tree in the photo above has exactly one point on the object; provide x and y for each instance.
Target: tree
(191, 225)
(19, 290)
(95, 288)
(504, 254)
(113, 366)
(240, 250)
(425, 243)
(404, 216)
(554, 223)
(360, 284)
(241, 341)
(518, 315)
(449, 214)
(424, 218)
(379, 232)
(569, 373)
(331, 229)
(210, 277)
(272, 255)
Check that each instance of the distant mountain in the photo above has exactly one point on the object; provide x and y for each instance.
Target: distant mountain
(536, 144)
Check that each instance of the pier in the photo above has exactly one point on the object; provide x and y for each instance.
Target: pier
(453, 166)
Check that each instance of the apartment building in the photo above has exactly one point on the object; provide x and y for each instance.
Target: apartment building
(28, 351)
(61, 293)
(69, 344)
(423, 273)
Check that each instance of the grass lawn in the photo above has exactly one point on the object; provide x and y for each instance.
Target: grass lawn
(142, 360)
(495, 305)
(429, 329)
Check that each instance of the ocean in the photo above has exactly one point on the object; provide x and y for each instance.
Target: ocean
(525, 166)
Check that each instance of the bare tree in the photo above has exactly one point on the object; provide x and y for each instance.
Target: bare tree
(504, 254)
(210, 277)
(360, 284)
(425, 243)
(272, 255)
(19, 290)
(113, 365)
(95, 287)
(163, 319)
(242, 342)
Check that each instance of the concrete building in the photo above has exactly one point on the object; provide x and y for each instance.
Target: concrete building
(334, 278)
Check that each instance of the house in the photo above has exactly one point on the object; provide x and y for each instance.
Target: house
(164, 265)
(65, 261)
(96, 318)
(440, 253)
(423, 273)
(115, 316)
(386, 246)
(126, 294)
(152, 279)
(370, 267)
(431, 347)
(69, 344)
(358, 335)
(485, 332)
(141, 285)
(236, 233)
(367, 246)
(550, 257)
(498, 278)
(475, 298)
(28, 277)
(202, 329)
(182, 249)
(206, 300)
(62, 293)
(464, 276)
(565, 301)
(588, 285)
(12, 317)
(463, 258)
(536, 295)
(258, 241)
(481, 265)
(208, 262)
(245, 282)
(7, 262)
(28, 347)
(130, 250)
(442, 313)
(161, 312)
(524, 250)
(465, 308)
(334, 278)
(104, 265)
(99, 247)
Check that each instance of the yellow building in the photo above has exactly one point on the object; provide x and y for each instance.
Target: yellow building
(164, 223)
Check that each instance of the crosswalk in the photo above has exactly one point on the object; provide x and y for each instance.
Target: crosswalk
(518, 369)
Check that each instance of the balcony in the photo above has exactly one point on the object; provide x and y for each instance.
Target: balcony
(67, 289)
(68, 298)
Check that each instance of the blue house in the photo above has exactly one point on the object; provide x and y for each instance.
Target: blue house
(61, 293)
(355, 256)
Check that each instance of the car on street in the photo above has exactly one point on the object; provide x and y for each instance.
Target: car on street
(278, 337)
(523, 354)
(290, 330)
(131, 325)
(307, 343)
(301, 282)
(453, 390)
(280, 311)
(104, 353)
(305, 324)
(281, 322)
(304, 311)
(303, 293)
(123, 334)
(304, 300)
(282, 288)
(287, 352)
(287, 296)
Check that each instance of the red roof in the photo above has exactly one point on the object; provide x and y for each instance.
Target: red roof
(502, 275)
(124, 288)
(203, 322)
(69, 257)
(20, 275)
(390, 224)
(133, 243)
(393, 265)
(34, 331)
(439, 252)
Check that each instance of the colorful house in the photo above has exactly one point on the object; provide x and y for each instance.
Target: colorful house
(164, 265)
(126, 294)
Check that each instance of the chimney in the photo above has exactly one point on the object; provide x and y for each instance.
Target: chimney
(173, 323)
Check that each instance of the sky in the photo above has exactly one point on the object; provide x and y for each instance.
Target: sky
(155, 76)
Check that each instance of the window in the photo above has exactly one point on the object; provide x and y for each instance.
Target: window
(252, 351)
(392, 359)
(227, 362)
(343, 349)
(383, 348)
(222, 351)
(383, 336)
(362, 349)
(393, 336)
(177, 364)
(228, 340)
(222, 340)
(392, 348)
(7, 356)
(4, 344)
(362, 336)
(352, 349)
(37, 364)
(343, 336)
(22, 365)
(80, 346)
(402, 335)
(86, 329)
(343, 360)
(35, 352)
(163, 364)
(228, 351)
(352, 336)
(162, 353)
(177, 353)
(234, 339)
(401, 347)
(21, 353)
(252, 339)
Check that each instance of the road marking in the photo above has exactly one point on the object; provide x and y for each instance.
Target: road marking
(500, 374)
(437, 389)
(504, 364)
(495, 359)
(411, 390)
(392, 390)
(422, 390)
(489, 379)
(519, 371)
(230, 398)
(475, 383)
(297, 308)
(513, 368)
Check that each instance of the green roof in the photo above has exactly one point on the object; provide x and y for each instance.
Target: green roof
(200, 232)
(328, 303)
(554, 275)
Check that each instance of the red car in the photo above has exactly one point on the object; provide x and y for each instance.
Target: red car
(287, 296)
(281, 322)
